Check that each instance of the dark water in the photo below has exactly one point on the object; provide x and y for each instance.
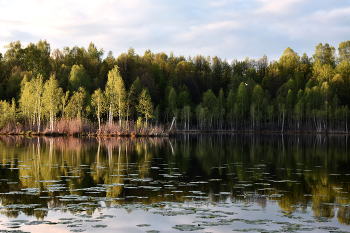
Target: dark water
(203, 183)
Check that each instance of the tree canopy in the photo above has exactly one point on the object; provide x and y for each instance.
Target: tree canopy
(39, 84)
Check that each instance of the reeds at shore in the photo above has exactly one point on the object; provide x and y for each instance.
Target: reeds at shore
(82, 127)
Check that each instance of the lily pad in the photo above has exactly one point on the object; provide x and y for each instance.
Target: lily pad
(143, 225)
(188, 227)
(99, 226)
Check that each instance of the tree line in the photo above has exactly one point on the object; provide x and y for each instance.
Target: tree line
(40, 87)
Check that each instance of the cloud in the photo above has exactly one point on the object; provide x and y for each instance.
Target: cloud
(228, 29)
(278, 7)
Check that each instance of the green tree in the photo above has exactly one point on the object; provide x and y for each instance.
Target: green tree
(209, 102)
(344, 51)
(7, 113)
(77, 104)
(64, 101)
(13, 50)
(44, 52)
(37, 92)
(325, 54)
(52, 95)
(231, 101)
(172, 101)
(299, 110)
(115, 95)
(78, 78)
(145, 106)
(242, 101)
(325, 74)
(183, 99)
(185, 115)
(98, 102)
(258, 98)
(129, 102)
(4, 113)
(13, 86)
(26, 101)
(288, 63)
(221, 107)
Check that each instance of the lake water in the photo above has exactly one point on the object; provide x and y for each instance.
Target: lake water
(202, 183)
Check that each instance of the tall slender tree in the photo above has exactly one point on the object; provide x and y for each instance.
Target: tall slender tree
(98, 102)
(52, 95)
(145, 106)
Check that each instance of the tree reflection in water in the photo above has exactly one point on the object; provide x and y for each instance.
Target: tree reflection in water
(299, 172)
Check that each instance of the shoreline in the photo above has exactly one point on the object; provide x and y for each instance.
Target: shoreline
(165, 135)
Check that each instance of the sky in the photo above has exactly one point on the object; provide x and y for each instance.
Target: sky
(229, 29)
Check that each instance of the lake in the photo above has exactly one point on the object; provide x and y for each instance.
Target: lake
(192, 182)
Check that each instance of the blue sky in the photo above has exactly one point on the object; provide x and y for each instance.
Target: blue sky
(228, 29)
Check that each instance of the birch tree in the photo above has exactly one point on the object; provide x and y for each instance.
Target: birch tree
(76, 104)
(37, 93)
(128, 102)
(231, 107)
(64, 100)
(242, 101)
(115, 95)
(172, 102)
(145, 106)
(98, 102)
(26, 102)
(51, 99)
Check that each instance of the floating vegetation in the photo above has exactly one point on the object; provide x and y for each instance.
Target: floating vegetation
(188, 227)
(328, 228)
(66, 222)
(322, 219)
(95, 190)
(37, 222)
(75, 225)
(99, 226)
(253, 229)
(48, 181)
(143, 225)
(102, 216)
(92, 220)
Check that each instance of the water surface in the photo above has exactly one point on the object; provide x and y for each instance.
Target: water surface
(204, 183)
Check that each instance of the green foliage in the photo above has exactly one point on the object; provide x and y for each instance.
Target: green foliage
(209, 100)
(172, 101)
(145, 106)
(77, 103)
(344, 51)
(13, 87)
(293, 93)
(115, 95)
(7, 112)
(325, 54)
(98, 103)
(184, 99)
(289, 62)
(78, 78)
(51, 99)
(243, 100)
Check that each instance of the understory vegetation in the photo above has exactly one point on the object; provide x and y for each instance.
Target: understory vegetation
(77, 90)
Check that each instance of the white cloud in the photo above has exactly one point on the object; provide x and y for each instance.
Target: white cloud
(280, 7)
(231, 29)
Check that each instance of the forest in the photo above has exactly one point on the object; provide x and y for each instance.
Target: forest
(77, 90)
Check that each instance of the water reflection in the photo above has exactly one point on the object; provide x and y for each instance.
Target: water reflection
(300, 173)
